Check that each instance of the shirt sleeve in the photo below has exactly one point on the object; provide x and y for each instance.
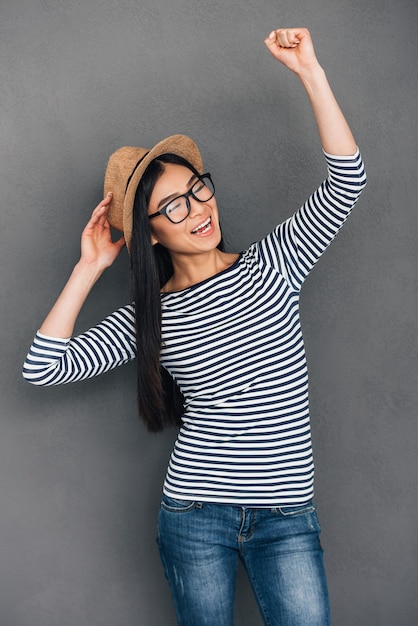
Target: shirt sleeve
(56, 361)
(294, 246)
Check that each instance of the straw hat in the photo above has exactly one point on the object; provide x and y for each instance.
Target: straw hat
(124, 172)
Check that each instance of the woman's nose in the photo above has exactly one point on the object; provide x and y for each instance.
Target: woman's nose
(196, 207)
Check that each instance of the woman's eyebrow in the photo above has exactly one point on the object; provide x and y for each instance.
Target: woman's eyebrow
(174, 195)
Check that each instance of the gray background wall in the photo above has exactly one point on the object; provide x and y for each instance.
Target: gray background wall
(79, 477)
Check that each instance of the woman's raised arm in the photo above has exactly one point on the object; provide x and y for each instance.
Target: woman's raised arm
(98, 252)
(294, 48)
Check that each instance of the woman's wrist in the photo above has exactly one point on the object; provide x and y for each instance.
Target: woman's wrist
(313, 78)
(87, 272)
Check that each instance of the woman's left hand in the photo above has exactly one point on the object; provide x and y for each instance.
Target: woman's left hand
(293, 47)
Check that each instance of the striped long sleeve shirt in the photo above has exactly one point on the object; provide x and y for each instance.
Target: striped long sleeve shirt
(234, 345)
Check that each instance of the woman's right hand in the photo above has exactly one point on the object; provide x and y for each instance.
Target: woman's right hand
(97, 247)
(98, 252)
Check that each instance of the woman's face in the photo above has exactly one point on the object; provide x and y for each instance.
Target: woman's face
(200, 231)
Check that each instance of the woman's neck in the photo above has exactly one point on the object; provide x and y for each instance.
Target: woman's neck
(192, 269)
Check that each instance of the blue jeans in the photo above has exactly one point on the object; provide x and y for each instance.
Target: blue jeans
(200, 544)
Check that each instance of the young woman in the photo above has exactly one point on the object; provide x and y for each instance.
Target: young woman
(220, 353)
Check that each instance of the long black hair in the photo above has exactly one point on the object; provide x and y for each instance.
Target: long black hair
(160, 402)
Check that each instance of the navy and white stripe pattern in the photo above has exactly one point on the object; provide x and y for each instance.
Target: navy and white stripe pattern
(234, 345)
(54, 361)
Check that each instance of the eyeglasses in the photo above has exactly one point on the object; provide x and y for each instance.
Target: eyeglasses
(179, 208)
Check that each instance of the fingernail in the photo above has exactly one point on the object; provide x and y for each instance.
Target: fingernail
(109, 193)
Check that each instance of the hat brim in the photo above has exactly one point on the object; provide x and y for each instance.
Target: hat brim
(183, 146)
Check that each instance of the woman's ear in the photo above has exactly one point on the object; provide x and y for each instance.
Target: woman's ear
(153, 240)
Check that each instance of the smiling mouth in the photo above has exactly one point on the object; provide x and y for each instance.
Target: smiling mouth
(203, 227)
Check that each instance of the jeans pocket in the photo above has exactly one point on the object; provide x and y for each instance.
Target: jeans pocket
(177, 506)
(300, 509)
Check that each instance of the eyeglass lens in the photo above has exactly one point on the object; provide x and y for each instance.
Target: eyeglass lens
(202, 191)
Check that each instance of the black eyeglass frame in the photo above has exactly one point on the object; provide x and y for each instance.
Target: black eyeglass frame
(163, 210)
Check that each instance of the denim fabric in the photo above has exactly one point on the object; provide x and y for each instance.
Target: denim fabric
(200, 544)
